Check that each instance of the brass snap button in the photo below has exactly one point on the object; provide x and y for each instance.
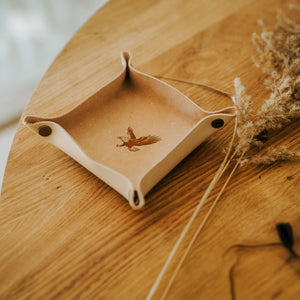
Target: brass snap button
(45, 130)
(217, 123)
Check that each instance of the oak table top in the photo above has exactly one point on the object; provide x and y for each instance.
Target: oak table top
(64, 234)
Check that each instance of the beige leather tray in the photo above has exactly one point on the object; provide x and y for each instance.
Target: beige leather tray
(132, 132)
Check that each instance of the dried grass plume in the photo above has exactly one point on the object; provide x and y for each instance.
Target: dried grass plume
(278, 56)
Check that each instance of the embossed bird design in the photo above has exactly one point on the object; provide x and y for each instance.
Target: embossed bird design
(131, 141)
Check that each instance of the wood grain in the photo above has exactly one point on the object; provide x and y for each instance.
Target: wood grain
(64, 234)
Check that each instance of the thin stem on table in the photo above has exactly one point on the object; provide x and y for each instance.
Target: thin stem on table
(200, 227)
(193, 217)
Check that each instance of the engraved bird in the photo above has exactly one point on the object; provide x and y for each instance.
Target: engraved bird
(131, 141)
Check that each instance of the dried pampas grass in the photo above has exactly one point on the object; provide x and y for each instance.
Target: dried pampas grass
(274, 154)
(278, 56)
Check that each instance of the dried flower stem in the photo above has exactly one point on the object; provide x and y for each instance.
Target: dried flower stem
(279, 58)
(194, 83)
(273, 155)
(196, 234)
(195, 214)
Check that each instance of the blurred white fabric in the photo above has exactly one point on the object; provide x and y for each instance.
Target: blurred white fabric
(32, 32)
(6, 138)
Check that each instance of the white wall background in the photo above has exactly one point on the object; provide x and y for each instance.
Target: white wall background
(32, 32)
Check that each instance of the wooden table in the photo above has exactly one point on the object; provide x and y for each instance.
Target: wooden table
(64, 234)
